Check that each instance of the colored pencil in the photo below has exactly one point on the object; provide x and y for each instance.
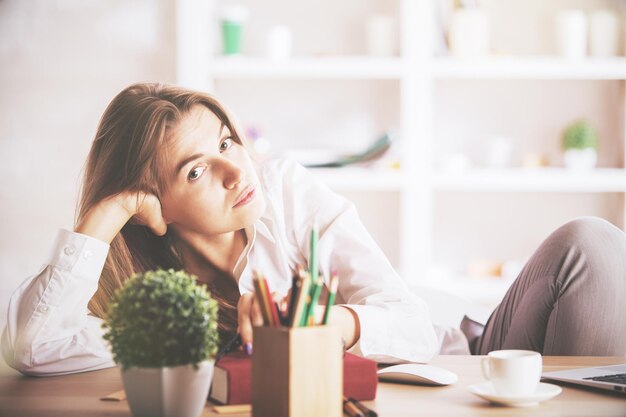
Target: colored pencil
(262, 299)
(296, 285)
(367, 412)
(271, 305)
(316, 282)
(301, 300)
(313, 253)
(332, 292)
(351, 410)
(316, 291)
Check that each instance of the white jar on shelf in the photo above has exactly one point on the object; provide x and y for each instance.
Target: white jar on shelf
(571, 34)
(380, 35)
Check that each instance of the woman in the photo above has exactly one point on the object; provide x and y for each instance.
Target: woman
(169, 183)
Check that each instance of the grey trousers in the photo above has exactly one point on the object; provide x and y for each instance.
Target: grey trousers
(569, 299)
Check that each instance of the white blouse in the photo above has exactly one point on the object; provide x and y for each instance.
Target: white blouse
(50, 331)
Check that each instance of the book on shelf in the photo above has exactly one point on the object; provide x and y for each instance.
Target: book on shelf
(232, 378)
(327, 158)
(372, 152)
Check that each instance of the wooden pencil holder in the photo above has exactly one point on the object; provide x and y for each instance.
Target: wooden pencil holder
(297, 372)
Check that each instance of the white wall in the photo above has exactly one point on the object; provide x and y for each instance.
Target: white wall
(61, 62)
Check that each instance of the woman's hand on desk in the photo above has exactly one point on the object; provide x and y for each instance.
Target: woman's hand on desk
(249, 314)
(105, 219)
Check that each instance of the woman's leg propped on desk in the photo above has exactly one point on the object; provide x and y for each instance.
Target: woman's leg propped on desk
(570, 298)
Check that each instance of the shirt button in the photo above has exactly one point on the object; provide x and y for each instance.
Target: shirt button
(87, 254)
(43, 309)
(69, 250)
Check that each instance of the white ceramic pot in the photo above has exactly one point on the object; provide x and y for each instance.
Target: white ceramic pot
(580, 159)
(179, 391)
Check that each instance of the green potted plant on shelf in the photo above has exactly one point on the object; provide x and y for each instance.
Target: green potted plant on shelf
(580, 145)
(162, 328)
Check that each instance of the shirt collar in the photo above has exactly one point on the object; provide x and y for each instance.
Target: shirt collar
(250, 233)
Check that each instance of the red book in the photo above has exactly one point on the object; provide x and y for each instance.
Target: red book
(232, 378)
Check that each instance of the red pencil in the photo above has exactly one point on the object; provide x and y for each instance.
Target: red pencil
(270, 303)
(261, 297)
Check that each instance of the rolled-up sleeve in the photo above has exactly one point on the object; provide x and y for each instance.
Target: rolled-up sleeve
(395, 323)
(49, 330)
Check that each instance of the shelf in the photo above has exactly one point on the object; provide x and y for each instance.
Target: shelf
(355, 67)
(364, 67)
(533, 179)
(531, 67)
(355, 178)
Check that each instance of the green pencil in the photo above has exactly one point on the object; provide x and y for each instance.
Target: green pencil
(315, 284)
(332, 292)
(313, 253)
(315, 296)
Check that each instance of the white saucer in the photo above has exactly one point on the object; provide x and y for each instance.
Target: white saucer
(544, 392)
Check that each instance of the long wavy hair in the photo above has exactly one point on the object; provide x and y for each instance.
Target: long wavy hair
(128, 154)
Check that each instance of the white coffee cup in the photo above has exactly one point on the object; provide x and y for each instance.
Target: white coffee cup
(513, 372)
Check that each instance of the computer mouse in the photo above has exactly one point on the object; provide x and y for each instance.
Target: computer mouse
(413, 373)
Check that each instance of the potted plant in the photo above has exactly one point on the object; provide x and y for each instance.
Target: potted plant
(162, 328)
(580, 143)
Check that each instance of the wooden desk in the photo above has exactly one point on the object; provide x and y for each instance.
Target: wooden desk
(78, 395)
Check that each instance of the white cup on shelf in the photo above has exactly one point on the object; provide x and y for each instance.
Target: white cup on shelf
(499, 153)
(603, 33)
(469, 33)
(513, 372)
(571, 34)
(279, 43)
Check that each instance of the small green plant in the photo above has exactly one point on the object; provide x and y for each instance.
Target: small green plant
(580, 135)
(161, 318)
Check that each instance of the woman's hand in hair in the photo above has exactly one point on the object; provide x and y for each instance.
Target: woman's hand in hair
(145, 209)
(105, 219)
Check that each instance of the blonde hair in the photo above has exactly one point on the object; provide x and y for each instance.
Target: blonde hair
(127, 154)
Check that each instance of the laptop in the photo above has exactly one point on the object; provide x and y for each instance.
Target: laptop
(612, 378)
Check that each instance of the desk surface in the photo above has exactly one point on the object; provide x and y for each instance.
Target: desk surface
(78, 395)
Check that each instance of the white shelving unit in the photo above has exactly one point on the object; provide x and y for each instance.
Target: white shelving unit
(532, 67)
(362, 179)
(601, 180)
(417, 72)
(355, 67)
